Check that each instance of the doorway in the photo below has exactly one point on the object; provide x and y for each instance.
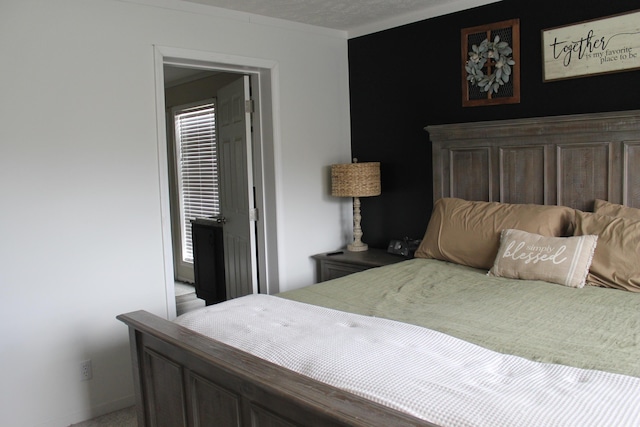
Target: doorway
(262, 75)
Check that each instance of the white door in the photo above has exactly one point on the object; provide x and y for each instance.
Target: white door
(236, 188)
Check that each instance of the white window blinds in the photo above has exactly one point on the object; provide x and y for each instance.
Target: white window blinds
(197, 167)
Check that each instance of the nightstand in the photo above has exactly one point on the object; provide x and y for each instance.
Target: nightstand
(331, 265)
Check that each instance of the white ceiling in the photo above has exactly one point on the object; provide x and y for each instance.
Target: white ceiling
(357, 17)
(179, 75)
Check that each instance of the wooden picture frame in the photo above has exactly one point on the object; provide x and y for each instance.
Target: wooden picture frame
(599, 46)
(474, 92)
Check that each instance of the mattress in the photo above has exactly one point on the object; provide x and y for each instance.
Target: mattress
(428, 374)
(590, 328)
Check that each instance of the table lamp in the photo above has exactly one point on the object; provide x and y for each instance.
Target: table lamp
(356, 180)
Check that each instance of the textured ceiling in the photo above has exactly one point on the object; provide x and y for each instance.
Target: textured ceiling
(363, 16)
(340, 14)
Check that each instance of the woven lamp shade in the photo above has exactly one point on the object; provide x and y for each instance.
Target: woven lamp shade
(355, 179)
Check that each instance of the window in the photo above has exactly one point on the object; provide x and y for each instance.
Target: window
(196, 167)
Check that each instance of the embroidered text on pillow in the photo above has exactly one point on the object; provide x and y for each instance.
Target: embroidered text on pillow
(535, 255)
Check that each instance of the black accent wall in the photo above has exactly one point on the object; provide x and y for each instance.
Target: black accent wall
(408, 77)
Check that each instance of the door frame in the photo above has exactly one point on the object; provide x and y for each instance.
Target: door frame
(264, 82)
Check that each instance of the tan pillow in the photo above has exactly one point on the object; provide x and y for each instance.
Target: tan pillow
(562, 260)
(616, 262)
(603, 207)
(468, 233)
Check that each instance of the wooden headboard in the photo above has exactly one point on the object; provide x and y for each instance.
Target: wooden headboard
(563, 160)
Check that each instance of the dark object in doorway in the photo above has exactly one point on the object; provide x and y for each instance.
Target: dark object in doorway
(208, 260)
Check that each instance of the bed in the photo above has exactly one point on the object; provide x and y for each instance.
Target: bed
(502, 345)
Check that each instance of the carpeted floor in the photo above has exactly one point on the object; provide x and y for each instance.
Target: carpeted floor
(123, 418)
(186, 299)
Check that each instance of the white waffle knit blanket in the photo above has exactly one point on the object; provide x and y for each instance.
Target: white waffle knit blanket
(425, 373)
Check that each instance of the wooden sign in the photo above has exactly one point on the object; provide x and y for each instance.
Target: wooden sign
(599, 46)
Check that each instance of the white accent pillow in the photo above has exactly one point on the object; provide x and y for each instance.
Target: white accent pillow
(562, 260)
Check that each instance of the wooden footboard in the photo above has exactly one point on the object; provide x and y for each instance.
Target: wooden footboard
(183, 378)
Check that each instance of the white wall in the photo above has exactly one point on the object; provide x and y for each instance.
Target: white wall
(80, 231)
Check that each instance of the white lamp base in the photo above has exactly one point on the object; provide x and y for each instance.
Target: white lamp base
(357, 245)
(357, 248)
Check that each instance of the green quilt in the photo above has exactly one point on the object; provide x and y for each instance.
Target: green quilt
(592, 328)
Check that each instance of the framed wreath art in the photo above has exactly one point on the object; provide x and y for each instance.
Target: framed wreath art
(491, 64)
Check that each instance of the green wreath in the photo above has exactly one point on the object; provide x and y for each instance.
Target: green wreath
(496, 56)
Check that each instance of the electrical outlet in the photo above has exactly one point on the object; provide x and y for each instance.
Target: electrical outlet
(86, 372)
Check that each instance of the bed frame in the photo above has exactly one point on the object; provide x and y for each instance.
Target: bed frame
(182, 378)
(563, 160)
